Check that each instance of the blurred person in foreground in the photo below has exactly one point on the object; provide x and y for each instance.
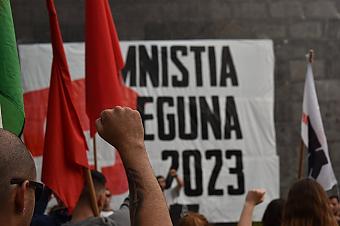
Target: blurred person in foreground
(307, 205)
(83, 215)
(193, 219)
(18, 188)
(122, 128)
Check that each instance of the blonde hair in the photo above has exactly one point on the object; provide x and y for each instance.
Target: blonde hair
(307, 205)
(193, 219)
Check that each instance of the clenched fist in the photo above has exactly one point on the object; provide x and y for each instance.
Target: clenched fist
(255, 196)
(121, 127)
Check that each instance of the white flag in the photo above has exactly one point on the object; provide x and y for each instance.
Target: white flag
(313, 136)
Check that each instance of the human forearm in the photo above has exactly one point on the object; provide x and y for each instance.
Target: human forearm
(246, 215)
(253, 198)
(147, 204)
(123, 128)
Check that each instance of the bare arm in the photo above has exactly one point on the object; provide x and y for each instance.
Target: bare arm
(179, 180)
(122, 127)
(253, 198)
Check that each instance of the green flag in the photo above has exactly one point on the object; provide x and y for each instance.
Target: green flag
(11, 94)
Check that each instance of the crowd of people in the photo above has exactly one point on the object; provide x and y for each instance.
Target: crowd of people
(149, 198)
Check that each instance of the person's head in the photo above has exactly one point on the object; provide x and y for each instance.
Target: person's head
(17, 181)
(108, 197)
(193, 219)
(99, 183)
(161, 182)
(273, 214)
(334, 204)
(307, 205)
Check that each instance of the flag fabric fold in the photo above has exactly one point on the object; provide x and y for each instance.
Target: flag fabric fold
(11, 92)
(64, 156)
(104, 62)
(313, 136)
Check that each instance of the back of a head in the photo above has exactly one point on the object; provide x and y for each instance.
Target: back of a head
(307, 205)
(193, 219)
(273, 214)
(16, 162)
(99, 183)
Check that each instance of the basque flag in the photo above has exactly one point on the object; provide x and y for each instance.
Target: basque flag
(313, 136)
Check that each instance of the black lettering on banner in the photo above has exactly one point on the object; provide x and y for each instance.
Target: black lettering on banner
(212, 66)
(227, 68)
(188, 189)
(165, 75)
(130, 66)
(217, 154)
(148, 66)
(176, 82)
(166, 154)
(232, 122)
(161, 101)
(210, 117)
(181, 118)
(141, 102)
(238, 170)
(198, 50)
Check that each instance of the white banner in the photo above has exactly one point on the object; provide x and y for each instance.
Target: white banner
(207, 108)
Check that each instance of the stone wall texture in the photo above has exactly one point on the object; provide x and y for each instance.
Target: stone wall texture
(295, 26)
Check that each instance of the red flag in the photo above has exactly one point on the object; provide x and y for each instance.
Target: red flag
(104, 85)
(64, 156)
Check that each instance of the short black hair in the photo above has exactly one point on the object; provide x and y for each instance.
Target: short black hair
(99, 182)
(98, 178)
(160, 177)
(334, 197)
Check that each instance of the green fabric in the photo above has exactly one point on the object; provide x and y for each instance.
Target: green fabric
(11, 93)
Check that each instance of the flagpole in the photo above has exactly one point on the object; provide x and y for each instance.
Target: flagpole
(302, 145)
(93, 196)
(95, 153)
(301, 159)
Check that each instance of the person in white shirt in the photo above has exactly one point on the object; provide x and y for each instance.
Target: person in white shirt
(171, 194)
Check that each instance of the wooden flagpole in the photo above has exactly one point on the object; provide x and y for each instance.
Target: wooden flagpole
(95, 153)
(302, 145)
(93, 196)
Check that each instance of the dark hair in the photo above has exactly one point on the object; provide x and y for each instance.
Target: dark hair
(307, 205)
(98, 178)
(99, 183)
(160, 177)
(334, 197)
(273, 214)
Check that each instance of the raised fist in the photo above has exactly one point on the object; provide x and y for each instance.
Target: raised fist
(121, 127)
(255, 196)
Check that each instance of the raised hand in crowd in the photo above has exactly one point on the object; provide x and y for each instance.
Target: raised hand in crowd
(253, 198)
(122, 128)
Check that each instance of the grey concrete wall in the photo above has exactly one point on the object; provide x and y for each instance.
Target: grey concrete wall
(294, 25)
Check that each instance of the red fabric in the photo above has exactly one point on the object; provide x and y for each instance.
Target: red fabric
(104, 85)
(64, 156)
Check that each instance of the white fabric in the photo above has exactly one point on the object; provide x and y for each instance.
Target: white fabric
(254, 100)
(171, 195)
(311, 110)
